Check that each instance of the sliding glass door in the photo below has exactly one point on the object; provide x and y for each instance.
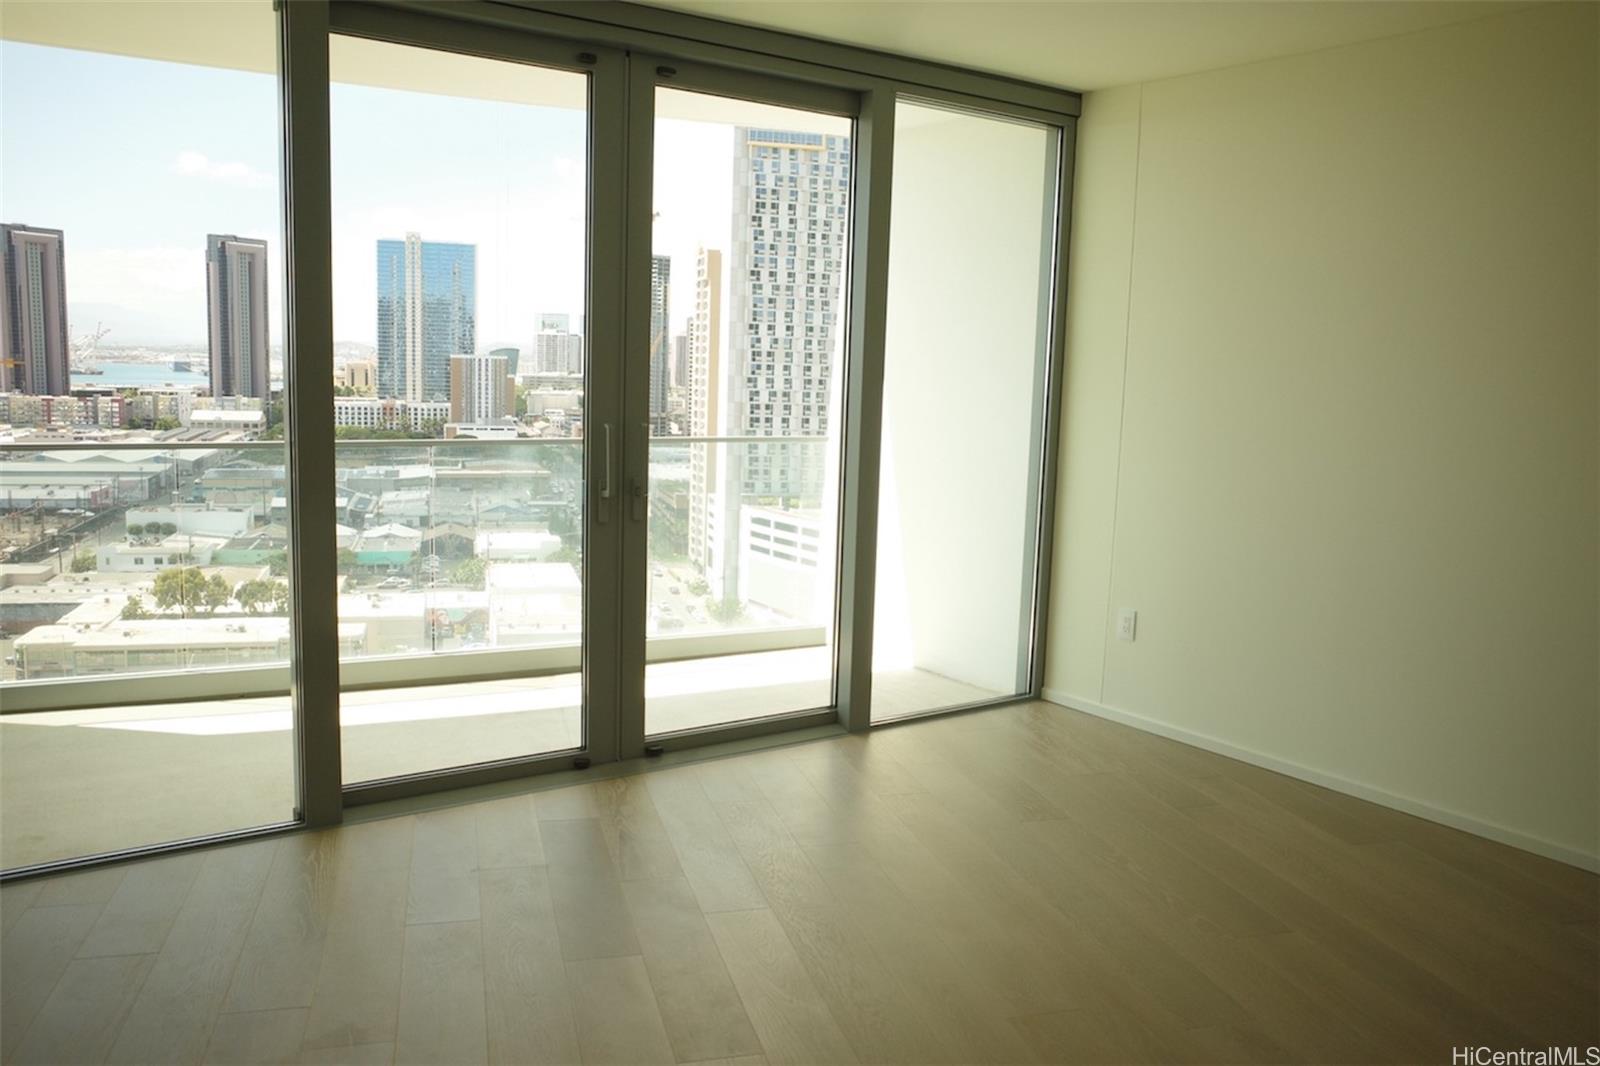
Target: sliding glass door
(460, 193)
(447, 393)
(743, 363)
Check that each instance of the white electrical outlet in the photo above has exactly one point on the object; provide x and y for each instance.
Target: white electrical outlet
(1127, 624)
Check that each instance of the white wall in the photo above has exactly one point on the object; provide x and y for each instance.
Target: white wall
(1332, 419)
(968, 229)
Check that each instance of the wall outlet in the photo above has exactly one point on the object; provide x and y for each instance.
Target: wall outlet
(1127, 624)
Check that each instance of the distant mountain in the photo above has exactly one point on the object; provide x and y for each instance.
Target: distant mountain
(348, 350)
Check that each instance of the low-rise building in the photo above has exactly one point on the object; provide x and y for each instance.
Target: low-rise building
(390, 544)
(227, 521)
(780, 552)
(162, 644)
(180, 549)
(516, 545)
(407, 415)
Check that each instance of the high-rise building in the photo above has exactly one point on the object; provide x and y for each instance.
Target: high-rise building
(236, 314)
(790, 211)
(660, 342)
(511, 355)
(556, 351)
(427, 310)
(482, 392)
(680, 361)
(706, 520)
(33, 312)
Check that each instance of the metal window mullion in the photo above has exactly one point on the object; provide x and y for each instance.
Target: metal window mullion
(863, 430)
(308, 407)
(634, 365)
(604, 515)
(1054, 390)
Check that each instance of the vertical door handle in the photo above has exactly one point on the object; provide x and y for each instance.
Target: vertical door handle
(605, 462)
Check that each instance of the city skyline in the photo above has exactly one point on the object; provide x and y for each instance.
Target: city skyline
(506, 177)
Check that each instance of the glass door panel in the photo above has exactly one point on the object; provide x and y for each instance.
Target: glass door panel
(746, 350)
(460, 207)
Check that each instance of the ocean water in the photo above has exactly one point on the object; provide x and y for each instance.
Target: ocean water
(135, 375)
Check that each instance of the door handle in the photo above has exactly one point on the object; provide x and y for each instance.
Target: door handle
(605, 462)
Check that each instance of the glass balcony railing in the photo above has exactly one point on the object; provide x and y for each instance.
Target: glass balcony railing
(125, 564)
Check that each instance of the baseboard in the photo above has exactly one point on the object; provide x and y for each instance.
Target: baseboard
(1454, 819)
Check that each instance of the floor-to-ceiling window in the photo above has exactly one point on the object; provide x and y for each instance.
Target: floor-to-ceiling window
(550, 450)
(143, 547)
(965, 357)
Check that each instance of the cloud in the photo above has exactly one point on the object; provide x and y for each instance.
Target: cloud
(197, 164)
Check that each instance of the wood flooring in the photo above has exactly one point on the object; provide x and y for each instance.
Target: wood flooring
(1025, 884)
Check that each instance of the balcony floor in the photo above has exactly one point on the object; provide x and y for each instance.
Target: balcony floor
(78, 783)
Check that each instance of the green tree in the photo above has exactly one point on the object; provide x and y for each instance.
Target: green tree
(135, 529)
(167, 529)
(469, 572)
(346, 561)
(262, 595)
(727, 611)
(183, 587)
(698, 587)
(83, 561)
(278, 563)
(135, 609)
(168, 422)
(216, 593)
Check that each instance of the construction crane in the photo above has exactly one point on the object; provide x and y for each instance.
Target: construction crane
(85, 347)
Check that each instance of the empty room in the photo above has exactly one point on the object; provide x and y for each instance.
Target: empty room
(800, 531)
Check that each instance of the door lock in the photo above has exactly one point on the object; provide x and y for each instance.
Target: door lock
(636, 489)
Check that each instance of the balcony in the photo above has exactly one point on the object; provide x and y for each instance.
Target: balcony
(147, 701)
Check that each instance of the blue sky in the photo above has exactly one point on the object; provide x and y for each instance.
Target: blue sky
(137, 160)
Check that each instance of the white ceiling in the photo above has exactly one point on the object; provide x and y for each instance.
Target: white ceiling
(1092, 44)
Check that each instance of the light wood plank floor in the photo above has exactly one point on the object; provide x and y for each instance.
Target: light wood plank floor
(1026, 884)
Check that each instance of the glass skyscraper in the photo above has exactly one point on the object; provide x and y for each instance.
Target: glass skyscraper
(427, 311)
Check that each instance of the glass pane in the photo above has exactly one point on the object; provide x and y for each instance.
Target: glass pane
(142, 523)
(972, 233)
(459, 242)
(746, 352)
